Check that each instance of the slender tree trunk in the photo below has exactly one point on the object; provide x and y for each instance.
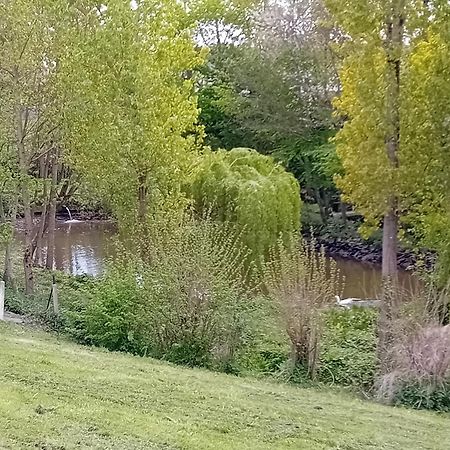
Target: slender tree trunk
(8, 274)
(23, 167)
(321, 205)
(394, 46)
(143, 201)
(40, 236)
(390, 244)
(43, 173)
(327, 203)
(52, 215)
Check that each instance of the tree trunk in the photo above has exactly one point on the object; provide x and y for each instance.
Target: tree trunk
(142, 195)
(343, 210)
(23, 167)
(43, 173)
(8, 274)
(321, 205)
(394, 46)
(390, 244)
(52, 215)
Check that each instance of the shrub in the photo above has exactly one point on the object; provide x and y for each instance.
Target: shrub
(423, 395)
(348, 350)
(303, 283)
(421, 370)
(113, 317)
(185, 304)
(419, 356)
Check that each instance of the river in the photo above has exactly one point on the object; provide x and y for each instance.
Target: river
(83, 247)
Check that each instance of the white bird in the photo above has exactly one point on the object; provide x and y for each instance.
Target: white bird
(356, 302)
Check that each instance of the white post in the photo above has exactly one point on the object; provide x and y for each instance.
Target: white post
(55, 298)
(2, 300)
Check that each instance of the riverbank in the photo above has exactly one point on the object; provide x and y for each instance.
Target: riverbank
(341, 239)
(369, 252)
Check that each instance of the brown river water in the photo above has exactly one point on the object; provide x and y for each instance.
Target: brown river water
(82, 248)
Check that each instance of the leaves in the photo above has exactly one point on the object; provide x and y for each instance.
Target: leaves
(132, 126)
(251, 192)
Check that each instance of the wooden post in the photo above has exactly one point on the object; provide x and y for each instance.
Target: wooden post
(2, 300)
(55, 296)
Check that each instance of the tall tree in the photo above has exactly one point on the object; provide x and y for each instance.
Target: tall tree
(378, 144)
(272, 90)
(132, 125)
(277, 84)
(27, 67)
(426, 130)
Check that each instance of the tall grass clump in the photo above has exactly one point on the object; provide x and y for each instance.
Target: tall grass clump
(185, 303)
(419, 358)
(303, 283)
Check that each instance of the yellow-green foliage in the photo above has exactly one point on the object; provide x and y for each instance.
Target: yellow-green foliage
(421, 181)
(131, 125)
(368, 179)
(250, 190)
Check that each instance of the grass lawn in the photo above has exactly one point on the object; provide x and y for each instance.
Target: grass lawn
(57, 395)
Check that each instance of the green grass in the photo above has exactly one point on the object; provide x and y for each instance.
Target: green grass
(57, 395)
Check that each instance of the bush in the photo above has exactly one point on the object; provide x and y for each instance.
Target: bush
(423, 394)
(420, 375)
(185, 304)
(303, 283)
(112, 318)
(348, 350)
(417, 361)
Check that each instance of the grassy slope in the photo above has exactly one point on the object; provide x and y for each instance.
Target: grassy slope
(56, 395)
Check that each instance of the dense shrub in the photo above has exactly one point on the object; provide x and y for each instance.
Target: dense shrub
(185, 304)
(348, 350)
(113, 318)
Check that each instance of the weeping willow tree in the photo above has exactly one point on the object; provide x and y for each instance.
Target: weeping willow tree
(250, 191)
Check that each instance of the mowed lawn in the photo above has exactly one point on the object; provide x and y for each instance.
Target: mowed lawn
(57, 395)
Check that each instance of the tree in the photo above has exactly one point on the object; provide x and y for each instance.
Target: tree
(28, 61)
(279, 81)
(132, 126)
(222, 22)
(251, 192)
(368, 143)
(313, 161)
(272, 91)
(8, 208)
(379, 147)
(427, 144)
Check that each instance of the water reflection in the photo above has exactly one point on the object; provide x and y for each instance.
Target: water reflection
(82, 248)
(363, 280)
